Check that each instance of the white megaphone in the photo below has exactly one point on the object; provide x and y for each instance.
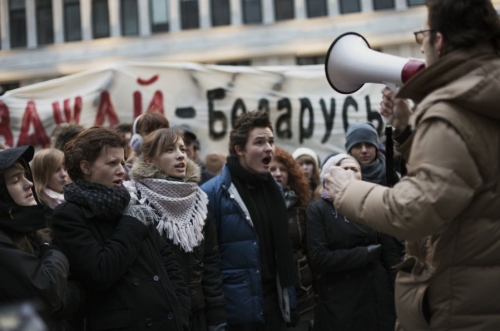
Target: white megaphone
(350, 63)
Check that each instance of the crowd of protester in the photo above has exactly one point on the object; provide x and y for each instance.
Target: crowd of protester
(128, 229)
(118, 230)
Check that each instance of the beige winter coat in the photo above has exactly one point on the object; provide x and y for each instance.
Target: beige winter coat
(448, 208)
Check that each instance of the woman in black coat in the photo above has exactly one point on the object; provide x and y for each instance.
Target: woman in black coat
(130, 275)
(297, 192)
(166, 182)
(356, 293)
(31, 269)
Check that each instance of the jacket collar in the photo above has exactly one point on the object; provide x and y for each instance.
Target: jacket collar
(449, 68)
(467, 79)
(225, 176)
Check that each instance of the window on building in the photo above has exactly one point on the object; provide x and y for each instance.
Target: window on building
(283, 10)
(235, 63)
(383, 4)
(310, 60)
(17, 25)
(4, 87)
(412, 3)
(129, 18)
(316, 8)
(221, 12)
(44, 22)
(349, 6)
(100, 19)
(189, 14)
(252, 11)
(159, 15)
(72, 20)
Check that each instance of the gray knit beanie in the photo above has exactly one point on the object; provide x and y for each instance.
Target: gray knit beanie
(360, 133)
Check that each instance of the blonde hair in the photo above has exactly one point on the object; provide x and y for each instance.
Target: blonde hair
(45, 163)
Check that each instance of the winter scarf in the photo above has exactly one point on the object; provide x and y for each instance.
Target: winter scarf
(182, 208)
(108, 204)
(291, 198)
(374, 172)
(277, 216)
(24, 220)
(53, 198)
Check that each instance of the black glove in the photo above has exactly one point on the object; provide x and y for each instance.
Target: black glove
(294, 318)
(374, 252)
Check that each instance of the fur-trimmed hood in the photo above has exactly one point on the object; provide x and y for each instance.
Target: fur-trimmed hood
(141, 169)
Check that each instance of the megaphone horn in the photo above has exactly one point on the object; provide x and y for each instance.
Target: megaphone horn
(350, 63)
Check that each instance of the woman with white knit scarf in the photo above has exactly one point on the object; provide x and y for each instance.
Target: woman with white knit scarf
(165, 187)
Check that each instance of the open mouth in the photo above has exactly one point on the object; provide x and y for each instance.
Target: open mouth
(267, 160)
(118, 182)
(180, 166)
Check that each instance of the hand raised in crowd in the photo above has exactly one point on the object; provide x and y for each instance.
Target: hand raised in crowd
(44, 236)
(336, 179)
(398, 111)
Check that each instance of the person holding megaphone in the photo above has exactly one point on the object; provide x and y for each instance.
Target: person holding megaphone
(447, 208)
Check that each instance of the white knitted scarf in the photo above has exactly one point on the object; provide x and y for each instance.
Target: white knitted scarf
(181, 206)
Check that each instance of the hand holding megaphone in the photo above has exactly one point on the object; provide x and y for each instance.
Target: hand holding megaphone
(396, 111)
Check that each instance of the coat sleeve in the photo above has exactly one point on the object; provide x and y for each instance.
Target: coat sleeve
(212, 279)
(97, 265)
(24, 276)
(323, 259)
(392, 254)
(173, 270)
(441, 182)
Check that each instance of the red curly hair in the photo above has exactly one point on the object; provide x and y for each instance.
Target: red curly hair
(297, 181)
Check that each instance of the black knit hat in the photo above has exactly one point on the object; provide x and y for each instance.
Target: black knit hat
(361, 133)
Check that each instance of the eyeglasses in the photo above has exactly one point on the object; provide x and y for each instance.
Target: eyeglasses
(419, 35)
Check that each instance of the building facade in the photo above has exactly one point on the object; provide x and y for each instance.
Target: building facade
(45, 39)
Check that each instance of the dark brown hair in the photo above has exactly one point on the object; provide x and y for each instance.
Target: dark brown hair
(150, 122)
(464, 23)
(87, 146)
(296, 178)
(157, 141)
(244, 124)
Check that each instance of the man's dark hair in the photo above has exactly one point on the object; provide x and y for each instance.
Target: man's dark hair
(244, 124)
(63, 133)
(464, 23)
(87, 146)
(124, 128)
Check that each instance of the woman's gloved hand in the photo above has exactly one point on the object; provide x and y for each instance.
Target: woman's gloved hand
(374, 252)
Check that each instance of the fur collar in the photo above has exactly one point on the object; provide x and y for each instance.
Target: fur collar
(142, 169)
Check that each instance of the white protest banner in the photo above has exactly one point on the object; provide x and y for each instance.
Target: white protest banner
(304, 109)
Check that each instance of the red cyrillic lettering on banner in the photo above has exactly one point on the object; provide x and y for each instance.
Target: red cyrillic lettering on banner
(5, 125)
(137, 104)
(56, 112)
(146, 82)
(38, 137)
(69, 117)
(156, 104)
(106, 109)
